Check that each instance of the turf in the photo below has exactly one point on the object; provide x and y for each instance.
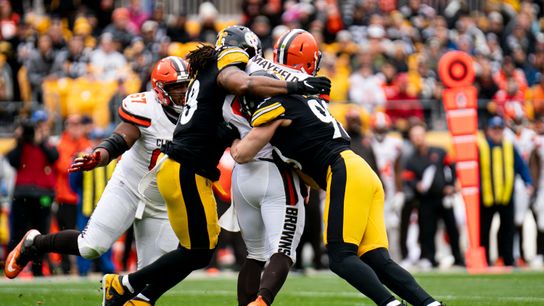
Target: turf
(517, 288)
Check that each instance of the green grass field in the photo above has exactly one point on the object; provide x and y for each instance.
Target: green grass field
(456, 289)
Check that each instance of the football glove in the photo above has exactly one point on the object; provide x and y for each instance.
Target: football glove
(85, 162)
(310, 86)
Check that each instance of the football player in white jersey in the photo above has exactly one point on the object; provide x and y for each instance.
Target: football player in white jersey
(387, 150)
(536, 164)
(524, 140)
(149, 119)
(266, 193)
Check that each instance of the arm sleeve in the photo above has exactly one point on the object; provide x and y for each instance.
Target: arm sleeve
(521, 168)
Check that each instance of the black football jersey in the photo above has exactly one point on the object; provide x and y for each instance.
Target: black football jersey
(195, 144)
(312, 141)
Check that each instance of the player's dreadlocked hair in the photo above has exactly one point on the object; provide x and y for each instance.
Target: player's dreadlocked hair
(200, 58)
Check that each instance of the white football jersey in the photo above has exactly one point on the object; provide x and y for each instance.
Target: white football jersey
(144, 111)
(539, 147)
(524, 141)
(231, 106)
(386, 153)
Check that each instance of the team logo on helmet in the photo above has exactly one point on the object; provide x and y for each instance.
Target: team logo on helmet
(252, 40)
(220, 42)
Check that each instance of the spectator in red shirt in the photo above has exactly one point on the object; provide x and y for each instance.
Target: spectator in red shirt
(9, 21)
(403, 106)
(511, 94)
(33, 159)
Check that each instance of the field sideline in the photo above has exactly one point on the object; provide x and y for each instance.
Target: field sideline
(455, 289)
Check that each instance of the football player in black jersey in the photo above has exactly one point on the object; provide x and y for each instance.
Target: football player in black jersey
(185, 176)
(306, 136)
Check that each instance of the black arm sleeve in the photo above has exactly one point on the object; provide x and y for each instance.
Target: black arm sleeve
(14, 156)
(115, 145)
(50, 152)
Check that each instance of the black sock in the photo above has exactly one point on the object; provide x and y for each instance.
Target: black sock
(168, 270)
(540, 243)
(249, 281)
(400, 281)
(519, 233)
(344, 262)
(274, 276)
(63, 242)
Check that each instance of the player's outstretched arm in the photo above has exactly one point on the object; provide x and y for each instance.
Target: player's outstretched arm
(238, 82)
(244, 150)
(122, 139)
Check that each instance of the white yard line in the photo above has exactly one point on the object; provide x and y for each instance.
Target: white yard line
(183, 292)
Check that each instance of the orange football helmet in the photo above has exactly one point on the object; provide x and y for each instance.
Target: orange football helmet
(167, 72)
(514, 111)
(298, 49)
(380, 121)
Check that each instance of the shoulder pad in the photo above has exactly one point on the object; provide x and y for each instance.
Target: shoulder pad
(231, 56)
(267, 111)
(136, 109)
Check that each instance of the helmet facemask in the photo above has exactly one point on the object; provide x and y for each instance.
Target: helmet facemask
(176, 94)
(172, 94)
(317, 63)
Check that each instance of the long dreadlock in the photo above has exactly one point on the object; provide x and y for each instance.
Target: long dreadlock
(200, 58)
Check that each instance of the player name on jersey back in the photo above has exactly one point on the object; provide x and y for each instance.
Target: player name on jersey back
(285, 73)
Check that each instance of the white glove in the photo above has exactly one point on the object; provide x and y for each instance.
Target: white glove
(398, 201)
(448, 201)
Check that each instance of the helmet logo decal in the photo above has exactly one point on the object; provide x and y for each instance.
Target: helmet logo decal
(252, 40)
(221, 39)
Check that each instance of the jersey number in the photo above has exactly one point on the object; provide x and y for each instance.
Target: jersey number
(138, 98)
(320, 110)
(192, 103)
(154, 156)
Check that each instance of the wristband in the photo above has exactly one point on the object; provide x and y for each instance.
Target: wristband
(292, 88)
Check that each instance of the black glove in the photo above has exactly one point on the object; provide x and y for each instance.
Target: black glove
(227, 133)
(310, 86)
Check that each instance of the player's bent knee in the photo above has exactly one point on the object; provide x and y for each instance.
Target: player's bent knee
(377, 259)
(90, 251)
(376, 256)
(338, 253)
(283, 259)
(201, 258)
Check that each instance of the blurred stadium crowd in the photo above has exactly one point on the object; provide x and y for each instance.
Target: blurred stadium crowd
(65, 67)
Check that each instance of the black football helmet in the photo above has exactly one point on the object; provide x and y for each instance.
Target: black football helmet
(248, 103)
(241, 37)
